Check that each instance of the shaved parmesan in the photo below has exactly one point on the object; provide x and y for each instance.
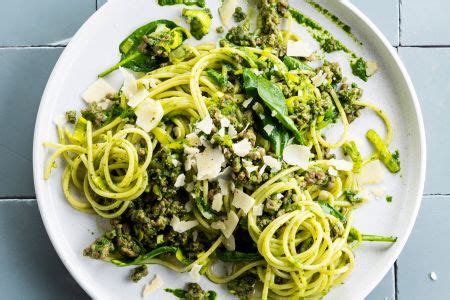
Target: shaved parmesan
(332, 171)
(218, 225)
(232, 131)
(182, 226)
(319, 79)
(263, 168)
(247, 102)
(209, 163)
(371, 67)
(248, 165)
(243, 201)
(221, 131)
(225, 122)
(268, 129)
(149, 113)
(273, 163)
(230, 224)
(217, 202)
(193, 139)
(297, 155)
(341, 164)
(258, 210)
(104, 104)
(188, 206)
(190, 150)
(129, 87)
(224, 185)
(230, 243)
(242, 148)
(227, 10)
(179, 182)
(138, 97)
(206, 125)
(195, 272)
(299, 49)
(371, 173)
(97, 91)
(149, 288)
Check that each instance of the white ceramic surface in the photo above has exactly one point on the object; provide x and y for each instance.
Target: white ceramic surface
(95, 47)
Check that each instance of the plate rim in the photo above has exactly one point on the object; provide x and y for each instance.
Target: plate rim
(350, 8)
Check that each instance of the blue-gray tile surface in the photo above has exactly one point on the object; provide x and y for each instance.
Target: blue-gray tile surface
(22, 81)
(30, 267)
(385, 14)
(41, 22)
(425, 22)
(427, 251)
(430, 71)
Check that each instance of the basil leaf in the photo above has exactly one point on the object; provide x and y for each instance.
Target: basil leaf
(278, 137)
(143, 259)
(137, 59)
(273, 98)
(332, 211)
(250, 83)
(236, 256)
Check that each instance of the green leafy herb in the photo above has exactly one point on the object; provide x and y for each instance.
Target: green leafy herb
(359, 67)
(390, 160)
(137, 58)
(143, 259)
(272, 96)
(295, 64)
(200, 3)
(388, 198)
(332, 211)
(235, 256)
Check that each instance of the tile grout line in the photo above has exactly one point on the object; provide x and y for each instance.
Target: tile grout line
(400, 22)
(396, 280)
(33, 47)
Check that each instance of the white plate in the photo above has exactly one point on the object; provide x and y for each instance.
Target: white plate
(95, 47)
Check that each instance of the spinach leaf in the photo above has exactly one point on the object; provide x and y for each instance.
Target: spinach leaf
(200, 3)
(278, 137)
(250, 83)
(332, 211)
(236, 256)
(274, 99)
(143, 259)
(295, 64)
(136, 59)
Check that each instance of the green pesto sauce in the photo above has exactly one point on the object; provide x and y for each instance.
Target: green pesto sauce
(329, 43)
(333, 18)
(181, 294)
